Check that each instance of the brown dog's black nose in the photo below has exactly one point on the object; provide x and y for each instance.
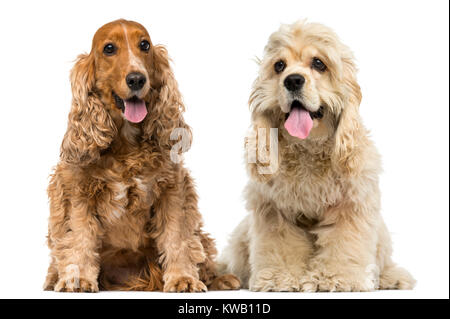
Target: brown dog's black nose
(294, 82)
(136, 81)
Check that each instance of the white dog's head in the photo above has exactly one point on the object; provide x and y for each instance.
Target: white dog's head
(306, 84)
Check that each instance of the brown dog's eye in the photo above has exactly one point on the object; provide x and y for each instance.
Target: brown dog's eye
(144, 45)
(109, 49)
(279, 66)
(318, 65)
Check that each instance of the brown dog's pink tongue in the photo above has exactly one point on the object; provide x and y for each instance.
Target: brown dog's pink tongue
(299, 123)
(135, 110)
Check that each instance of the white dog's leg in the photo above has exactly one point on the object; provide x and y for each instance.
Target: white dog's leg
(279, 252)
(391, 276)
(234, 258)
(346, 255)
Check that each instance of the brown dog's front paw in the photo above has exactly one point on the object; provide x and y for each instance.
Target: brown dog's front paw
(50, 282)
(225, 282)
(76, 285)
(184, 284)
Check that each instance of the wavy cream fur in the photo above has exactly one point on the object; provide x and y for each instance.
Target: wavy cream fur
(315, 223)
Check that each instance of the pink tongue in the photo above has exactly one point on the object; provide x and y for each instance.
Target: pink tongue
(299, 123)
(135, 111)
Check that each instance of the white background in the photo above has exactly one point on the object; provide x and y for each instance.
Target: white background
(402, 52)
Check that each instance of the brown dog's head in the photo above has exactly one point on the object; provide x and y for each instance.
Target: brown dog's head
(124, 81)
(123, 56)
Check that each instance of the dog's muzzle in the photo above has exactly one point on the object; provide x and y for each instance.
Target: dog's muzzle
(133, 109)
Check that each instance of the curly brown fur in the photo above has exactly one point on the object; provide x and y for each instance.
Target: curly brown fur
(123, 215)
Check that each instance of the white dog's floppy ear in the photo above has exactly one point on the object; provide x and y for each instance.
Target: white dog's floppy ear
(346, 154)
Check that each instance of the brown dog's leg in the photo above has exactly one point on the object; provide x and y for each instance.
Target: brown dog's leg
(225, 282)
(208, 270)
(52, 276)
(76, 251)
(177, 222)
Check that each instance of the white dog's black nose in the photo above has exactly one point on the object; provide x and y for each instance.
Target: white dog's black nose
(136, 81)
(294, 82)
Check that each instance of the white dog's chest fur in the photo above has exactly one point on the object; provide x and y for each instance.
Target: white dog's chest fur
(307, 190)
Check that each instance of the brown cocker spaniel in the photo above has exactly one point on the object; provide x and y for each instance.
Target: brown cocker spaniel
(123, 212)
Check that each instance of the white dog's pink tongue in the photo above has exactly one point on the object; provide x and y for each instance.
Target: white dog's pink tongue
(135, 110)
(299, 123)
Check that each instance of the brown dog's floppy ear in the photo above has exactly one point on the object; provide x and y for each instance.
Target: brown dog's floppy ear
(349, 128)
(90, 128)
(166, 111)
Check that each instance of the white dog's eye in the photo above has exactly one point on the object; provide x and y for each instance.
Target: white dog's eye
(279, 66)
(318, 65)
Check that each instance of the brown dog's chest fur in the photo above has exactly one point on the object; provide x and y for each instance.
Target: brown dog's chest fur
(121, 189)
(124, 208)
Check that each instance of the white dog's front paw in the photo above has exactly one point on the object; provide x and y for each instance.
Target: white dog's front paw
(325, 280)
(274, 280)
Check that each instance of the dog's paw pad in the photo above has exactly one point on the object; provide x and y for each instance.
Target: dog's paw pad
(225, 282)
(185, 284)
(76, 285)
(268, 280)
